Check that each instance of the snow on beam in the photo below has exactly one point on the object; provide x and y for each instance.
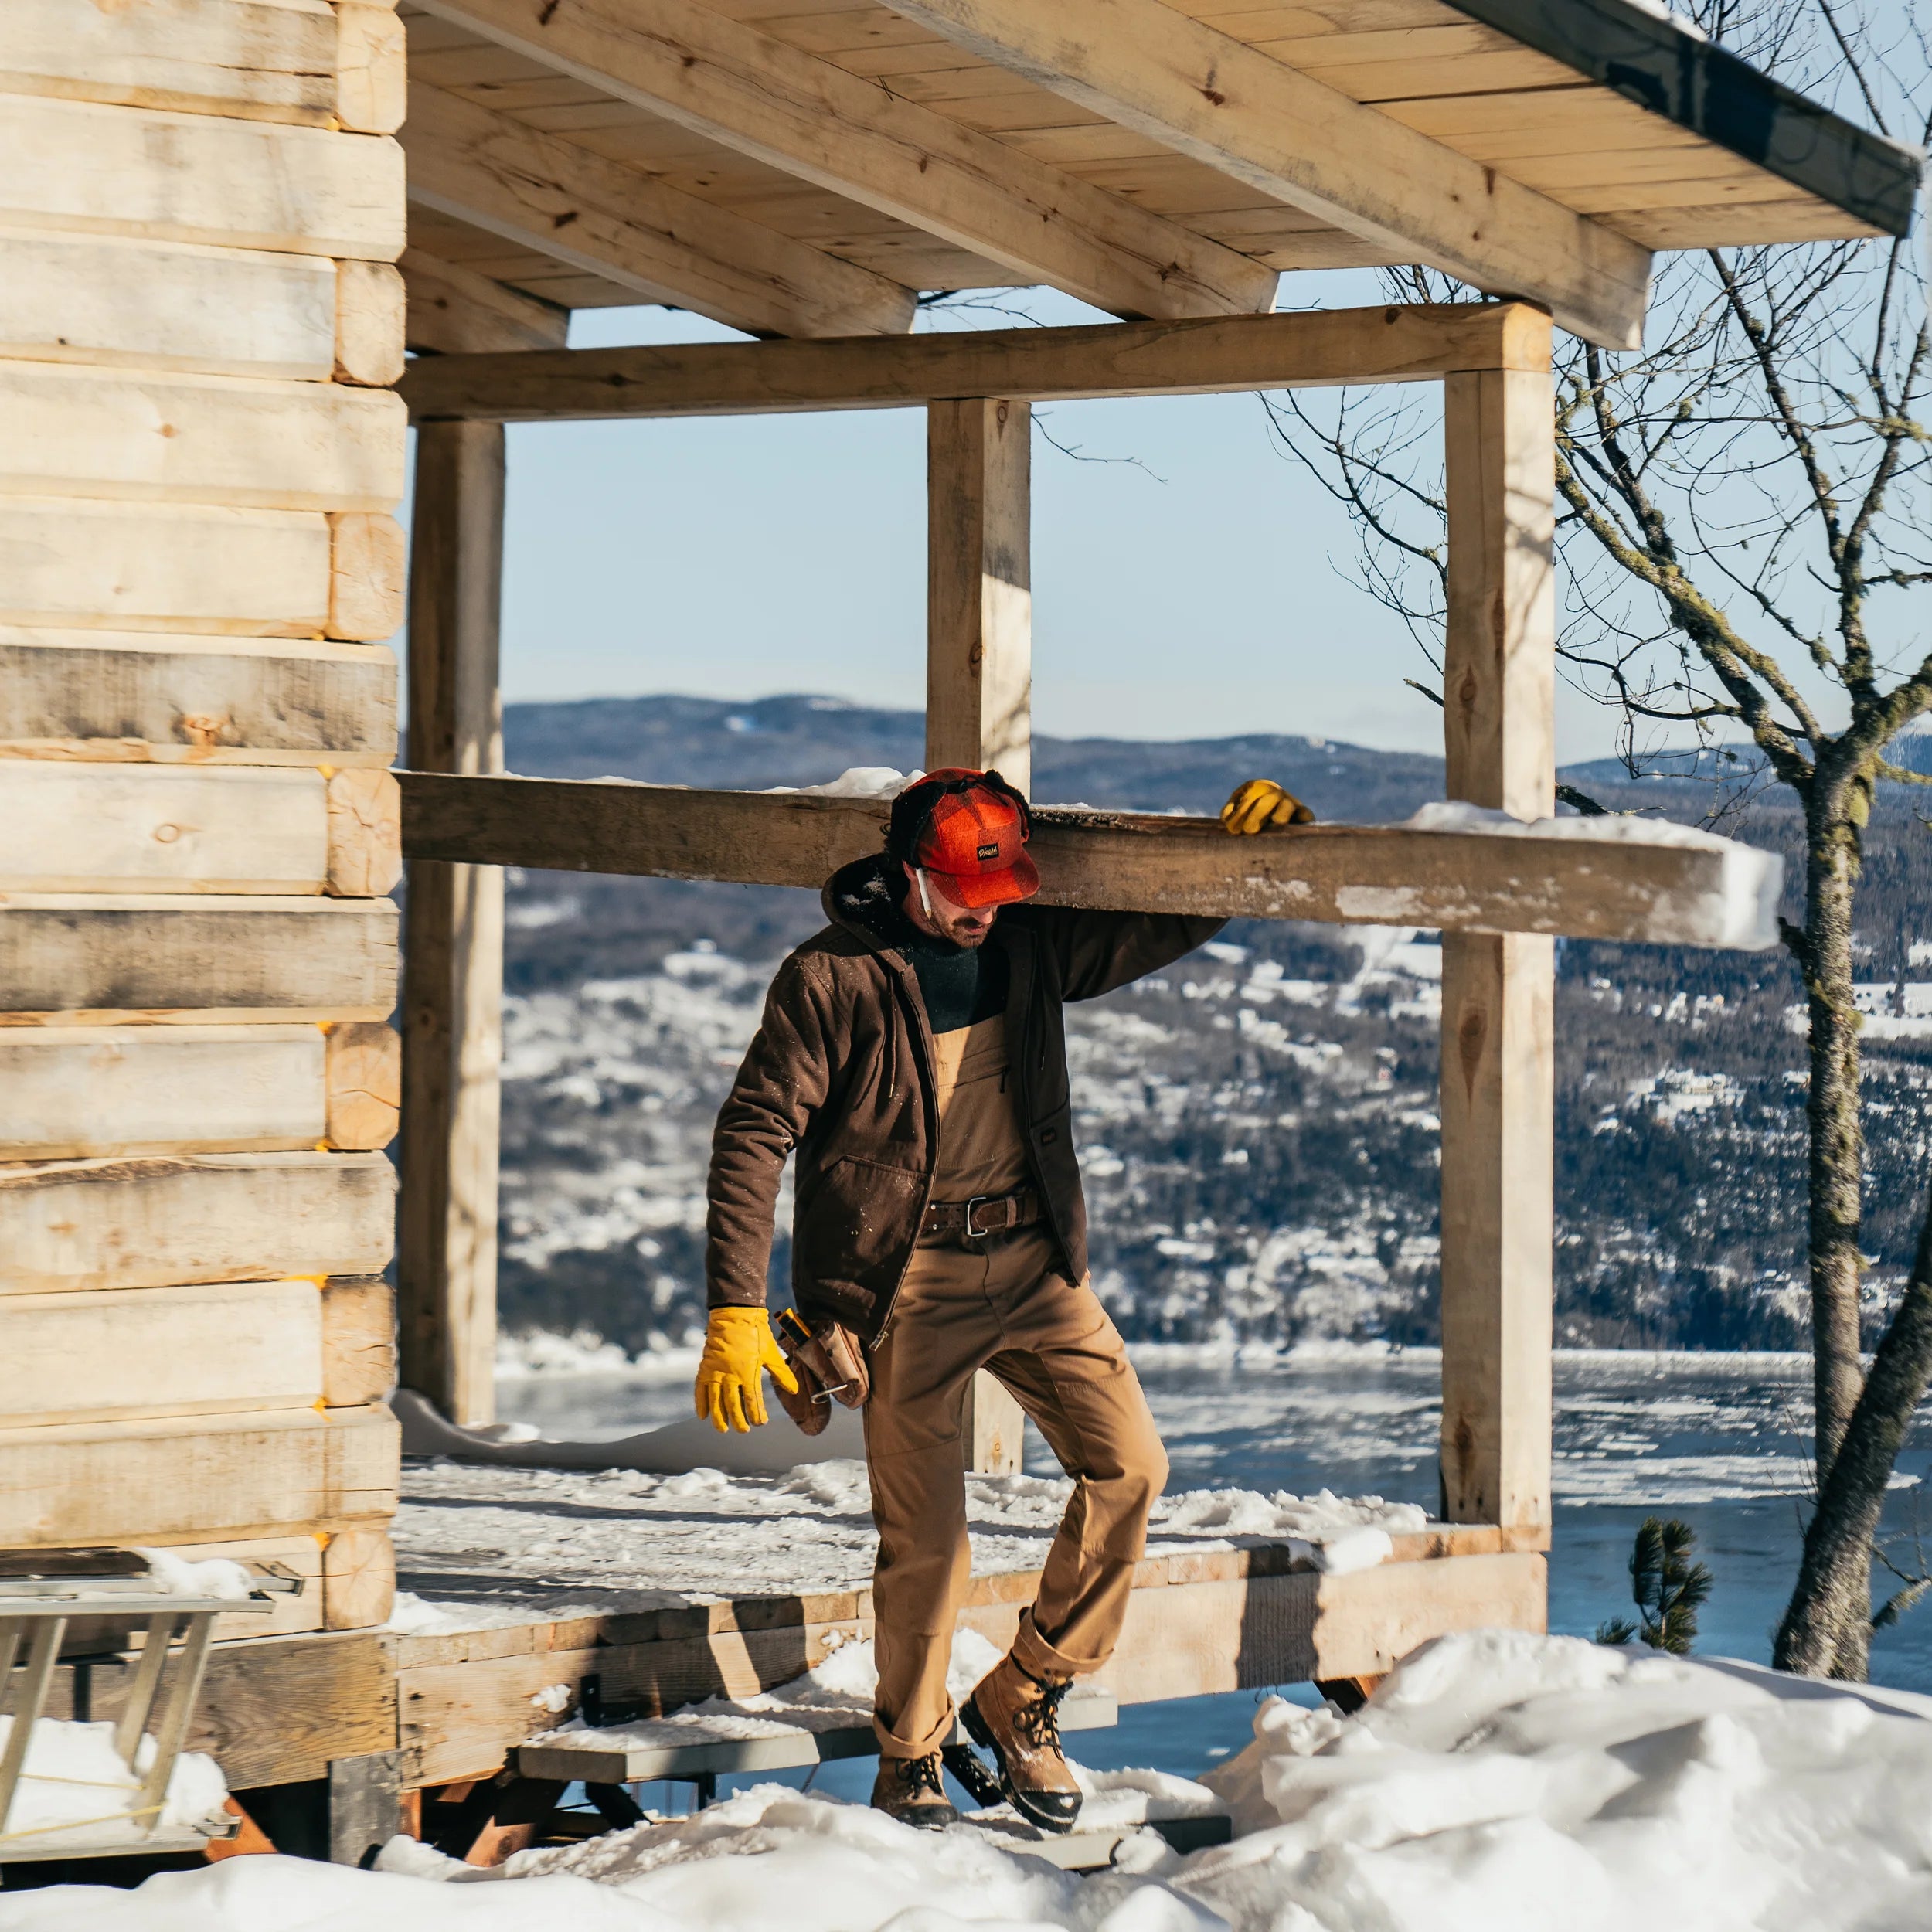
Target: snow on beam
(1456, 867)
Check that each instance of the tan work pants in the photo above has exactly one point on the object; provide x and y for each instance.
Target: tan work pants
(999, 1305)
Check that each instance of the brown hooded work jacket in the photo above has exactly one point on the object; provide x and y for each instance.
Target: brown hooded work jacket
(842, 1072)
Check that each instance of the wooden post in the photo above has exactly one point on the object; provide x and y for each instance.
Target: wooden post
(453, 939)
(979, 680)
(1498, 993)
(979, 600)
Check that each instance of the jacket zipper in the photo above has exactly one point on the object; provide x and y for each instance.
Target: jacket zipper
(909, 1006)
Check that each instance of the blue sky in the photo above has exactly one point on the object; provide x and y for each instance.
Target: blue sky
(1201, 589)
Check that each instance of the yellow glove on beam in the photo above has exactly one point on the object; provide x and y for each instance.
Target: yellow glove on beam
(738, 1343)
(1261, 804)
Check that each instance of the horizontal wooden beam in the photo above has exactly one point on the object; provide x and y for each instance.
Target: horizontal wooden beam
(101, 696)
(68, 958)
(230, 1348)
(196, 1476)
(66, 431)
(550, 195)
(1314, 350)
(76, 1092)
(725, 80)
(1486, 879)
(1233, 107)
(121, 1223)
(78, 165)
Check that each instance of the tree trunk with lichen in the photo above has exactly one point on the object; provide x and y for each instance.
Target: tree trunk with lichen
(1837, 1139)
(1861, 1421)
(1827, 1630)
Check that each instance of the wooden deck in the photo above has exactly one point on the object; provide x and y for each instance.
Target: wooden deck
(282, 1709)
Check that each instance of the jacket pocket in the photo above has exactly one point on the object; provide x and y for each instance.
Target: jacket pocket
(857, 1223)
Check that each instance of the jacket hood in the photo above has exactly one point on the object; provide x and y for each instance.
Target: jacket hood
(858, 899)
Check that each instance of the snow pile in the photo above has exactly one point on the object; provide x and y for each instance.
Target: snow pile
(857, 781)
(75, 1790)
(1749, 881)
(1500, 1780)
(220, 1577)
(775, 1858)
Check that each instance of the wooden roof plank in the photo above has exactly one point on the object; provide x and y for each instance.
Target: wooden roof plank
(564, 201)
(757, 95)
(1685, 79)
(1298, 139)
(1732, 225)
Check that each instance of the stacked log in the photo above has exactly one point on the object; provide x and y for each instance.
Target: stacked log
(201, 324)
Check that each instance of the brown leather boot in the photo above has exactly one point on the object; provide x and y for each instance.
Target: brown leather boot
(911, 1789)
(1017, 1717)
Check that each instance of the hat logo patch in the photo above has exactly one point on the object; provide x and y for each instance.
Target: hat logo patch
(989, 852)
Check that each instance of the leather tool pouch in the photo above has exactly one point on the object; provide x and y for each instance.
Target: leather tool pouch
(830, 1366)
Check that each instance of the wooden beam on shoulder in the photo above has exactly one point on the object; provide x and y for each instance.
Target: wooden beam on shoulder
(1315, 349)
(561, 200)
(1463, 874)
(1179, 81)
(727, 81)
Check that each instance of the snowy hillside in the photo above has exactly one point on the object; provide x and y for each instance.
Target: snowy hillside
(1257, 1125)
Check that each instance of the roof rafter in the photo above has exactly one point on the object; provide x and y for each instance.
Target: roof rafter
(1210, 97)
(454, 310)
(761, 97)
(561, 200)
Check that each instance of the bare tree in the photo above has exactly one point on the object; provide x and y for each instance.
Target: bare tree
(1745, 540)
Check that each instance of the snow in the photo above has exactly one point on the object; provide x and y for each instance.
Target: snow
(1497, 1782)
(857, 781)
(833, 1695)
(75, 1789)
(1749, 881)
(1496, 1773)
(174, 1576)
(525, 1542)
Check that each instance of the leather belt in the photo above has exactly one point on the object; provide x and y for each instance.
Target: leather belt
(983, 1214)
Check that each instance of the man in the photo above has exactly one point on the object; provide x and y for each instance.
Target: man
(912, 1056)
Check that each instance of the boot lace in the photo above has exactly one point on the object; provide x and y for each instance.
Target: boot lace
(1038, 1720)
(918, 1774)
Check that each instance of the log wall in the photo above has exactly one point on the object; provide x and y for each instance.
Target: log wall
(201, 324)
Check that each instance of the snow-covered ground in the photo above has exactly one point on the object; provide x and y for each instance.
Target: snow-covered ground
(1498, 1782)
(576, 1541)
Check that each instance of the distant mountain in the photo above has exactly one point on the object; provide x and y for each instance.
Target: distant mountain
(797, 740)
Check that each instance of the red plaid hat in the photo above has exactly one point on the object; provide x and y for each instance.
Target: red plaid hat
(969, 828)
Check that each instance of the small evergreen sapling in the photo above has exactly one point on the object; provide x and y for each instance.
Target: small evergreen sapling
(1668, 1588)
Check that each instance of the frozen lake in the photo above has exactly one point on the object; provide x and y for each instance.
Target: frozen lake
(1720, 1441)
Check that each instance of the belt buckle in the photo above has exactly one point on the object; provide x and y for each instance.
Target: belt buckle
(972, 1232)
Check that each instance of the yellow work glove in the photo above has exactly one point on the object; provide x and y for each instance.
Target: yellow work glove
(738, 1343)
(1261, 804)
